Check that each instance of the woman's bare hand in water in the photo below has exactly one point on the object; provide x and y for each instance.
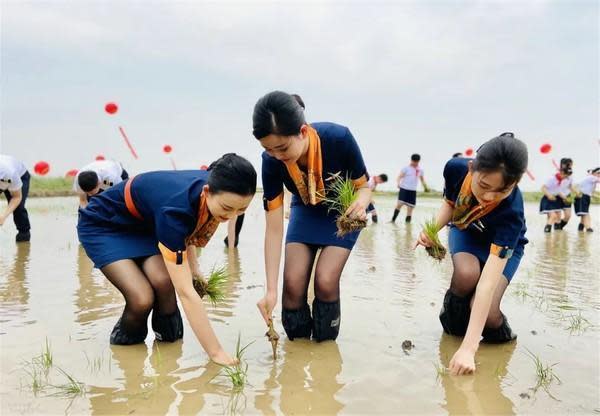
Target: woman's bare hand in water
(423, 240)
(266, 305)
(463, 362)
(222, 358)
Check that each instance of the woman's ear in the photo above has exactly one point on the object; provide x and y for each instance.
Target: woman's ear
(304, 130)
(206, 188)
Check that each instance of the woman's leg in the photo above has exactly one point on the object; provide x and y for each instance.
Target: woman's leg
(295, 313)
(166, 318)
(129, 279)
(456, 309)
(326, 305)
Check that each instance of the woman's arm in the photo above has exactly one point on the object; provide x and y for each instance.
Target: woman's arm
(548, 194)
(273, 239)
(192, 256)
(231, 233)
(425, 187)
(463, 361)
(196, 314)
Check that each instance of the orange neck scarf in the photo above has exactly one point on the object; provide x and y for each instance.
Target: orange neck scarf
(205, 227)
(310, 186)
(467, 209)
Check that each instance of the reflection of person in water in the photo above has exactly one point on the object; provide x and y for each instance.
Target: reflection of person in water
(92, 298)
(15, 290)
(148, 391)
(481, 394)
(312, 386)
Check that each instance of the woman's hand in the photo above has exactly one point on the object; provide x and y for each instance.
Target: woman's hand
(463, 362)
(266, 305)
(358, 210)
(223, 358)
(423, 240)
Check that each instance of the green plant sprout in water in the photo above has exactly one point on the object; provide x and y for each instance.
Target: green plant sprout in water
(440, 370)
(237, 374)
(341, 193)
(214, 288)
(45, 358)
(545, 374)
(578, 324)
(71, 388)
(437, 250)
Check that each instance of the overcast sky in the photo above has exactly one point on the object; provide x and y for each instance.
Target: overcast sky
(427, 77)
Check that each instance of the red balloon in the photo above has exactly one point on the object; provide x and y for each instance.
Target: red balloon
(469, 152)
(203, 167)
(111, 108)
(71, 173)
(167, 148)
(100, 157)
(545, 148)
(41, 168)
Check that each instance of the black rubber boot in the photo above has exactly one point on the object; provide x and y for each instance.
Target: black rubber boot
(297, 322)
(563, 223)
(167, 328)
(455, 313)
(548, 228)
(23, 236)
(557, 226)
(326, 320)
(119, 336)
(590, 230)
(408, 219)
(498, 335)
(374, 218)
(396, 212)
(580, 227)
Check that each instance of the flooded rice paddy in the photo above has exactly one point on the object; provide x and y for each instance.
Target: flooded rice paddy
(52, 300)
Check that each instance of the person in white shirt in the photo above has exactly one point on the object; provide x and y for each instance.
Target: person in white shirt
(566, 189)
(14, 184)
(372, 184)
(551, 203)
(97, 177)
(585, 190)
(408, 180)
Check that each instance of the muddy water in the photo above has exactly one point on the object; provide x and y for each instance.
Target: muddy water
(49, 290)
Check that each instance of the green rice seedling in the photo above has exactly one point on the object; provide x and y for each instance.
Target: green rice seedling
(238, 374)
(521, 291)
(273, 337)
(440, 370)
(36, 378)
(214, 287)
(72, 387)
(44, 360)
(578, 324)
(341, 193)
(544, 373)
(437, 250)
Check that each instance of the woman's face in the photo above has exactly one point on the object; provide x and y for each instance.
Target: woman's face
(287, 149)
(489, 186)
(226, 205)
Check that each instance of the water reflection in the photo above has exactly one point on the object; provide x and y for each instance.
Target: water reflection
(482, 392)
(312, 369)
(14, 291)
(94, 300)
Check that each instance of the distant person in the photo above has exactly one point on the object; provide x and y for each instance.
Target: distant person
(585, 190)
(551, 203)
(566, 189)
(372, 184)
(14, 184)
(484, 206)
(97, 177)
(408, 180)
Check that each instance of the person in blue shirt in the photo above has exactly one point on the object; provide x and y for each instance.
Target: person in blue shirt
(143, 233)
(301, 157)
(484, 207)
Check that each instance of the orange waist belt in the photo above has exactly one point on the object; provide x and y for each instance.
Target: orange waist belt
(129, 201)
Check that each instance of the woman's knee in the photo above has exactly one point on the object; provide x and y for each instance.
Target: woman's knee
(140, 301)
(465, 278)
(327, 286)
(494, 319)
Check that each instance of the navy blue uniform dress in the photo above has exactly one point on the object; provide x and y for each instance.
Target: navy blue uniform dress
(502, 229)
(167, 201)
(314, 224)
